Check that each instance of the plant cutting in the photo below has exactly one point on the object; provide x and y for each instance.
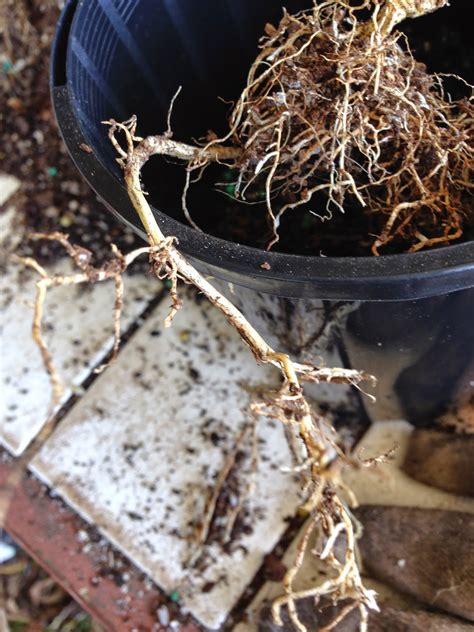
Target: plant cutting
(337, 115)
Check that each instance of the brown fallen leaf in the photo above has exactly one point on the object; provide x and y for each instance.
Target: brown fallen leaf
(312, 616)
(273, 568)
(387, 620)
(395, 620)
(443, 460)
(427, 553)
(460, 416)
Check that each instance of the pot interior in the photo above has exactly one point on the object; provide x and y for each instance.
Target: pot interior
(130, 57)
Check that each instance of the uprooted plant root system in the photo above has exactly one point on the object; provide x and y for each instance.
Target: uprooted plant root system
(339, 117)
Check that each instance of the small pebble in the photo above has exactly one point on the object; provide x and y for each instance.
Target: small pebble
(184, 335)
(163, 615)
(82, 536)
(148, 583)
(70, 187)
(7, 552)
(18, 66)
(15, 104)
(86, 148)
(51, 211)
(65, 221)
(38, 136)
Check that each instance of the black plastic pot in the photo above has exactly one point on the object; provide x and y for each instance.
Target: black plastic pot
(114, 58)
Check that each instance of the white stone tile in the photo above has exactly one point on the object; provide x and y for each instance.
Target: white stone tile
(78, 323)
(387, 484)
(139, 453)
(9, 185)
